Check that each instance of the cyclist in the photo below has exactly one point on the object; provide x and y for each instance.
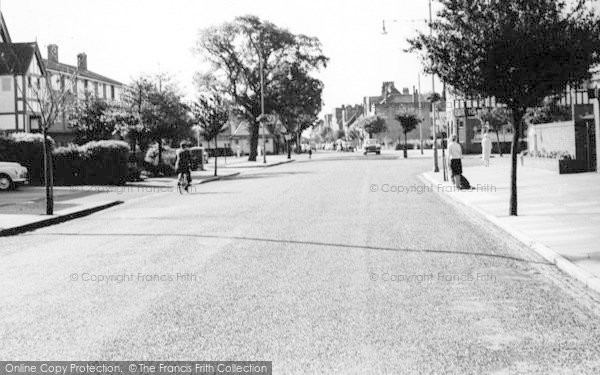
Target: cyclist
(183, 164)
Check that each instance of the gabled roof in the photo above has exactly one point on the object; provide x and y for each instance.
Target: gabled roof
(70, 69)
(15, 58)
(4, 30)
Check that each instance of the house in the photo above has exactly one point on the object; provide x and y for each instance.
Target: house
(22, 81)
(391, 102)
(237, 135)
(82, 81)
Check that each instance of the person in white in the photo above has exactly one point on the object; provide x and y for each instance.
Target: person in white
(455, 156)
(486, 149)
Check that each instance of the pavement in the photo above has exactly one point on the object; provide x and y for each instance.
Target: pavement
(313, 265)
(559, 215)
(24, 209)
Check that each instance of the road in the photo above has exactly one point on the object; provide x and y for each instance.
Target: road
(313, 265)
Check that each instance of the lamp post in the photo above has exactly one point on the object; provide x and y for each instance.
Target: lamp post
(436, 168)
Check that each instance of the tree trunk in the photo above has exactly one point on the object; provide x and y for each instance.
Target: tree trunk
(289, 150)
(215, 156)
(159, 142)
(517, 115)
(499, 145)
(253, 141)
(405, 145)
(48, 180)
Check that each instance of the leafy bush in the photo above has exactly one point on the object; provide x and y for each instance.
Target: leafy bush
(167, 166)
(561, 155)
(68, 165)
(94, 163)
(26, 149)
(550, 112)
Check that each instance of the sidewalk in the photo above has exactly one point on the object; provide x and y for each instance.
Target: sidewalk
(198, 177)
(72, 202)
(559, 215)
(242, 162)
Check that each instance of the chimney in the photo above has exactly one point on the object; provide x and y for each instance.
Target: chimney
(405, 91)
(82, 61)
(53, 53)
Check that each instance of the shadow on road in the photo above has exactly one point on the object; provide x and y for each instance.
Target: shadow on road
(312, 243)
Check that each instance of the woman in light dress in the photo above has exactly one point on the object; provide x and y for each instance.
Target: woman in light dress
(486, 149)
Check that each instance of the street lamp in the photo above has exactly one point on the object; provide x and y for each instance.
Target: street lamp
(262, 107)
(436, 168)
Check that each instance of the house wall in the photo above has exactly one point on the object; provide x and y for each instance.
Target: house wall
(556, 136)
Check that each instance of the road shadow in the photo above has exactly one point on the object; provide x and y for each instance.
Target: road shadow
(295, 242)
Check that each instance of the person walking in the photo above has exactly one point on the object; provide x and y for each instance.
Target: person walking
(455, 156)
(486, 149)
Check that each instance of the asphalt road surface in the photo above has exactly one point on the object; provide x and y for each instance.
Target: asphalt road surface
(314, 265)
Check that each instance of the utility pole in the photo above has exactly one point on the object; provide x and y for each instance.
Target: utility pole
(436, 168)
(262, 107)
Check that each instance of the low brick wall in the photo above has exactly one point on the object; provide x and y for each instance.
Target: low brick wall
(555, 136)
(555, 165)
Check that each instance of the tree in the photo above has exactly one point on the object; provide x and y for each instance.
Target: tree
(88, 120)
(518, 51)
(373, 125)
(164, 115)
(136, 97)
(236, 51)
(211, 114)
(50, 102)
(496, 119)
(408, 121)
(327, 134)
(340, 134)
(296, 99)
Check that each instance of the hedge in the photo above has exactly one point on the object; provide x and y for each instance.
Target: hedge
(94, 163)
(26, 149)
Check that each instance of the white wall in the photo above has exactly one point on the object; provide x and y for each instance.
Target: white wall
(7, 94)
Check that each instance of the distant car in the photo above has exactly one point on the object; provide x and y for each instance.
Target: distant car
(11, 175)
(371, 145)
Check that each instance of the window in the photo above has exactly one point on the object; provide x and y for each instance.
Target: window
(112, 92)
(104, 90)
(6, 84)
(96, 89)
(29, 81)
(85, 84)
(62, 83)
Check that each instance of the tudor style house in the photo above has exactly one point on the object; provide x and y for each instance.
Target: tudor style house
(22, 75)
(80, 80)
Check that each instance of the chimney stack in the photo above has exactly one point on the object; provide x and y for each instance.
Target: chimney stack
(53, 53)
(82, 61)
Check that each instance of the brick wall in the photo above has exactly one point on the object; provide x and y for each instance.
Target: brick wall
(555, 136)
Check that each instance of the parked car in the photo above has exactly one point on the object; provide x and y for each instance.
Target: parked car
(371, 145)
(11, 175)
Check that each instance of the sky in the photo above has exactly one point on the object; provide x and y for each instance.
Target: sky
(124, 39)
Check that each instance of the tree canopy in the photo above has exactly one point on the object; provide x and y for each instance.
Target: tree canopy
(234, 51)
(518, 51)
(372, 124)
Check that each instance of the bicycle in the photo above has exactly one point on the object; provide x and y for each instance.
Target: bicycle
(183, 184)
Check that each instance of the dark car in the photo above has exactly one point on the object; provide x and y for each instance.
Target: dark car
(371, 145)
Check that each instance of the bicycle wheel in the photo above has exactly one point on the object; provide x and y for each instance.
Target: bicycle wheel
(180, 184)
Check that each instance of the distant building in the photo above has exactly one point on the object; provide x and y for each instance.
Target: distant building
(391, 102)
(82, 81)
(237, 135)
(22, 78)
